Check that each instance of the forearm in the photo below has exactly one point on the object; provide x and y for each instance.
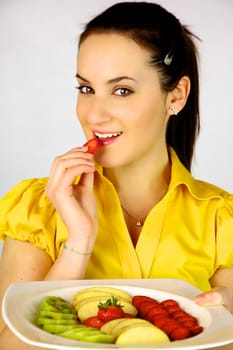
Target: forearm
(73, 260)
(8, 341)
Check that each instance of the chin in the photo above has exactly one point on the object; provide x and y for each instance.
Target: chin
(107, 161)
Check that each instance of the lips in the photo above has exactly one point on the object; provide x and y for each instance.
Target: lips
(107, 138)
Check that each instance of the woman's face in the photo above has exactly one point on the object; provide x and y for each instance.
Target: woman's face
(120, 99)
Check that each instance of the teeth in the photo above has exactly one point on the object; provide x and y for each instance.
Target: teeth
(108, 135)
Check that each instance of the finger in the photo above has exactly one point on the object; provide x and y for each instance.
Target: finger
(62, 182)
(62, 165)
(77, 150)
(216, 296)
(87, 180)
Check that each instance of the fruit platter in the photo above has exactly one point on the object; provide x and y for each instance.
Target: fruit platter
(74, 314)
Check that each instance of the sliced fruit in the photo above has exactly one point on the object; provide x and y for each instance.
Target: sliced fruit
(59, 328)
(57, 315)
(108, 327)
(121, 326)
(56, 304)
(99, 292)
(90, 308)
(100, 338)
(88, 334)
(41, 321)
(141, 334)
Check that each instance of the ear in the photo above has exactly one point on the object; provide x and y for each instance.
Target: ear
(177, 98)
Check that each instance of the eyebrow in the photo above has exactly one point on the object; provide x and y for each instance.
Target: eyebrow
(110, 81)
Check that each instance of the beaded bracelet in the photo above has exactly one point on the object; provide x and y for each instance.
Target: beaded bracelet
(65, 247)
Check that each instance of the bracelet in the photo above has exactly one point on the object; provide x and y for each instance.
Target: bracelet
(65, 247)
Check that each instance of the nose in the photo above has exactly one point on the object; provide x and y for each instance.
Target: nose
(94, 109)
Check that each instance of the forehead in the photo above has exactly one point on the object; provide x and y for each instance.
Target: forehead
(106, 52)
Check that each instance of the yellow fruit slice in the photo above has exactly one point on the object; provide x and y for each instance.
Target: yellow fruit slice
(102, 299)
(119, 327)
(108, 327)
(101, 291)
(141, 334)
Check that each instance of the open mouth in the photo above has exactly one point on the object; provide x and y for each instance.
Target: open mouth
(104, 136)
(107, 138)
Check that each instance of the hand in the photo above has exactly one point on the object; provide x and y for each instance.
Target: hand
(216, 296)
(75, 203)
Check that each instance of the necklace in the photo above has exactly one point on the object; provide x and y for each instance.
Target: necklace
(137, 222)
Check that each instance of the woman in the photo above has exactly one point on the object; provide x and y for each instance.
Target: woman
(132, 210)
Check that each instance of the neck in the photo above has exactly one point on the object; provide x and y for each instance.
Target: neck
(142, 184)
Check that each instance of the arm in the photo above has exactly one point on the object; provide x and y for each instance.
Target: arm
(222, 290)
(20, 261)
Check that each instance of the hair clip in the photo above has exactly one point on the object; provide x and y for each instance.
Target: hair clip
(168, 60)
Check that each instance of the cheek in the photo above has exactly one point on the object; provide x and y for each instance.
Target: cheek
(80, 110)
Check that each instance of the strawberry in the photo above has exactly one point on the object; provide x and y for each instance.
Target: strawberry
(93, 322)
(168, 303)
(110, 310)
(93, 145)
(138, 299)
(179, 333)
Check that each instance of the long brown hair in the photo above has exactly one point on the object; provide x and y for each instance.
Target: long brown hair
(173, 53)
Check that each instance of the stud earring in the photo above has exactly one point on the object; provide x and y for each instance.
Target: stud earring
(173, 110)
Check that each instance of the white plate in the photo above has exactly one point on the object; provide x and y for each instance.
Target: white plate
(21, 303)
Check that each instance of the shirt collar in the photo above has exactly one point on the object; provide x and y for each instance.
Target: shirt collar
(180, 176)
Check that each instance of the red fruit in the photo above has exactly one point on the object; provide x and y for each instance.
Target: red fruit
(169, 302)
(179, 314)
(110, 310)
(186, 318)
(94, 322)
(93, 145)
(180, 333)
(160, 321)
(170, 326)
(171, 309)
(188, 323)
(154, 312)
(144, 308)
(137, 299)
(196, 330)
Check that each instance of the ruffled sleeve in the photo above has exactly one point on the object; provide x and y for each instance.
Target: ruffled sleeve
(224, 229)
(27, 214)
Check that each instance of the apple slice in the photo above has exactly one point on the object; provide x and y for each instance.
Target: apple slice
(109, 326)
(141, 334)
(101, 291)
(119, 327)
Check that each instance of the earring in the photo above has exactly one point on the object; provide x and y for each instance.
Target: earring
(173, 110)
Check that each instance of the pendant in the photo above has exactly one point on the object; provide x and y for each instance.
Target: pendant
(139, 223)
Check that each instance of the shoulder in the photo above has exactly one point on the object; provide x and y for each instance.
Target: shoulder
(28, 189)
(24, 202)
(198, 188)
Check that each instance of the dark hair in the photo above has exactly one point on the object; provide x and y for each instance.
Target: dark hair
(173, 53)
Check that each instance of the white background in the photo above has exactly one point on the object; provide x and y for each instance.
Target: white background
(38, 44)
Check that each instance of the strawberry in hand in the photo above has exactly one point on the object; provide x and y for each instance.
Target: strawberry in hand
(93, 145)
(110, 310)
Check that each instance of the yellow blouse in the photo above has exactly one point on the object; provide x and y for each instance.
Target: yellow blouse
(187, 235)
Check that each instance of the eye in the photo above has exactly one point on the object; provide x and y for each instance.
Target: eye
(85, 89)
(123, 92)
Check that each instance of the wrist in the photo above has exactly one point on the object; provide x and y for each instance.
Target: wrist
(76, 251)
